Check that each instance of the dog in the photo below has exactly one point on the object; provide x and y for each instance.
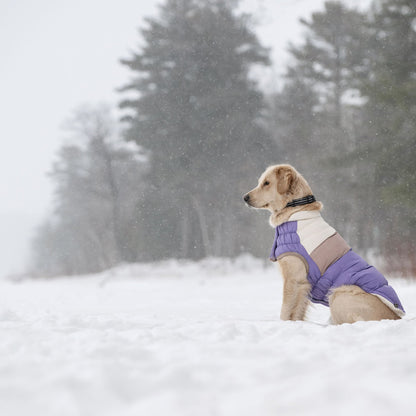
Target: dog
(316, 263)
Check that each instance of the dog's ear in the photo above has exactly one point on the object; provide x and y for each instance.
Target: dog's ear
(285, 179)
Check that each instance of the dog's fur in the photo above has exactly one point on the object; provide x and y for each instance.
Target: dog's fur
(277, 186)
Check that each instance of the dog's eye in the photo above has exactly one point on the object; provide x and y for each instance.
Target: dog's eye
(266, 183)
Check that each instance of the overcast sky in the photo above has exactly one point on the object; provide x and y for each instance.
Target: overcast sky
(59, 54)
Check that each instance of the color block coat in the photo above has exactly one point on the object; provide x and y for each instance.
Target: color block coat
(329, 261)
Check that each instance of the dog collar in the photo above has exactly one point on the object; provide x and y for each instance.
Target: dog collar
(301, 201)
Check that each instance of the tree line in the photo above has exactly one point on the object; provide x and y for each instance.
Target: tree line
(198, 131)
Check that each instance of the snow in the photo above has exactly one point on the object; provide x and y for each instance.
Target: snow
(200, 339)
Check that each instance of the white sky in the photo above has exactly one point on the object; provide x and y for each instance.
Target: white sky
(59, 54)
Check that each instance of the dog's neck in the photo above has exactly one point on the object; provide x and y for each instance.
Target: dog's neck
(306, 200)
(279, 217)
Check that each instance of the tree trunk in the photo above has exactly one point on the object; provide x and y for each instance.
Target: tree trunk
(218, 238)
(115, 203)
(203, 226)
(338, 88)
(185, 235)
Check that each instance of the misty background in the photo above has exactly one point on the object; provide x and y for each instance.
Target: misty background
(339, 104)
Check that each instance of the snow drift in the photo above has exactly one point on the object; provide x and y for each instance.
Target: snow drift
(195, 339)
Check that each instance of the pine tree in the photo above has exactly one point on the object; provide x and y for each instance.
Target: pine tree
(333, 55)
(295, 120)
(390, 116)
(199, 115)
(330, 64)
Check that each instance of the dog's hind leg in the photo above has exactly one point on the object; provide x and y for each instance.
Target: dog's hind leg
(349, 304)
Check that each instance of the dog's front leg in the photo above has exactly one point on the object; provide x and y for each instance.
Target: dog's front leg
(296, 289)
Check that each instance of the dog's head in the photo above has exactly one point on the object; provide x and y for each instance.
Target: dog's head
(277, 186)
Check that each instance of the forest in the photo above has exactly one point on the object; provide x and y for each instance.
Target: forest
(167, 180)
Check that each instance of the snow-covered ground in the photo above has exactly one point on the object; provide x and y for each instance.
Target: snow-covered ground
(197, 339)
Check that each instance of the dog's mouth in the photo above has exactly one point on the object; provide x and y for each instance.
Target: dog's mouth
(252, 203)
(265, 206)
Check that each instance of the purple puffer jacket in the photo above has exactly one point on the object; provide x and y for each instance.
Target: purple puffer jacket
(329, 260)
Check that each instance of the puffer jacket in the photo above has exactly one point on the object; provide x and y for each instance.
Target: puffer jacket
(329, 261)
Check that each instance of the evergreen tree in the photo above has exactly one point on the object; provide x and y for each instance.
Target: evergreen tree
(200, 117)
(333, 55)
(295, 120)
(295, 124)
(328, 66)
(367, 149)
(390, 116)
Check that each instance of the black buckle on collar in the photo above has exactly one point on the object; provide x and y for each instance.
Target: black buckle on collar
(301, 201)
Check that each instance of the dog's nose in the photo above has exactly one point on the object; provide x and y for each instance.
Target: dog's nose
(246, 197)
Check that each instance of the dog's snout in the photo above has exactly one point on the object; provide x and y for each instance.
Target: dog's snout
(246, 197)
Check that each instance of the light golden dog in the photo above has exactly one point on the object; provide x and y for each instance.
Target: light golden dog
(277, 186)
